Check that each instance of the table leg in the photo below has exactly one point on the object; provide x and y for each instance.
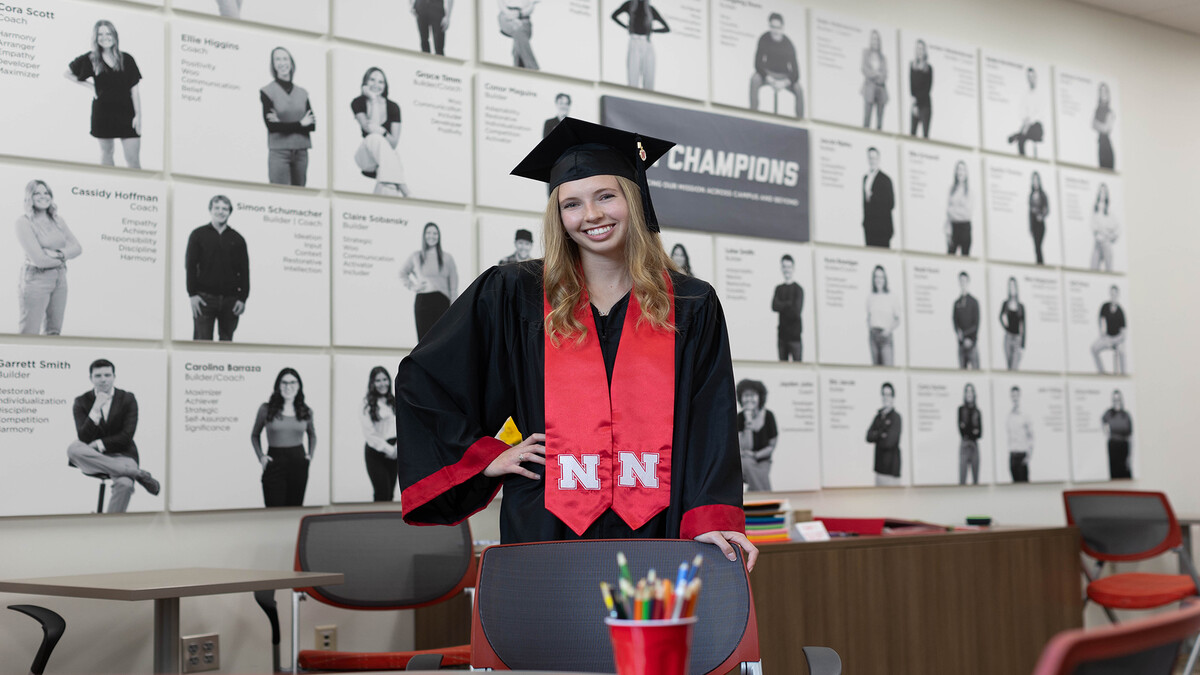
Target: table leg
(166, 635)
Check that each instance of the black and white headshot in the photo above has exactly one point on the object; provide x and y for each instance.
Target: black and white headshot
(777, 67)
(883, 318)
(966, 324)
(683, 261)
(878, 201)
(875, 78)
(788, 303)
(1112, 327)
(642, 21)
(290, 121)
(884, 433)
(920, 83)
(378, 118)
(106, 419)
(516, 22)
(1019, 428)
(218, 274)
(430, 272)
(111, 76)
(379, 432)
(757, 435)
(48, 244)
(970, 429)
(562, 108)
(523, 248)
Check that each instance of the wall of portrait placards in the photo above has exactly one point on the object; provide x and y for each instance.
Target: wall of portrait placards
(922, 238)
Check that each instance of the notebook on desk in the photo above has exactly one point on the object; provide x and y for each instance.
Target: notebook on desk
(878, 526)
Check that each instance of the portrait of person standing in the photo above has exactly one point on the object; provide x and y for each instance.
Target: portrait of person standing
(431, 273)
(433, 20)
(1020, 439)
(885, 432)
(116, 99)
(379, 431)
(640, 60)
(48, 244)
(106, 419)
(875, 77)
(516, 22)
(775, 64)
(920, 83)
(290, 121)
(1102, 122)
(1105, 231)
(966, 324)
(878, 201)
(1039, 209)
(958, 212)
(1118, 429)
(1012, 320)
(218, 274)
(883, 318)
(1112, 327)
(288, 421)
(788, 302)
(970, 429)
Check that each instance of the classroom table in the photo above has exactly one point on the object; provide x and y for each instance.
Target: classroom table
(165, 588)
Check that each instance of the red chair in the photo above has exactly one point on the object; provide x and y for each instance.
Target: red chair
(389, 565)
(1145, 647)
(1128, 526)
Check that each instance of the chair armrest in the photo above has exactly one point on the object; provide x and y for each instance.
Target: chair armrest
(53, 627)
(425, 662)
(823, 661)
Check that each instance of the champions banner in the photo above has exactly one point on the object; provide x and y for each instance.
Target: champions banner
(725, 174)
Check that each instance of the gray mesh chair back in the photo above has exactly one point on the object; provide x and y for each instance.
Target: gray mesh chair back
(1148, 646)
(1122, 525)
(388, 563)
(538, 606)
(1158, 660)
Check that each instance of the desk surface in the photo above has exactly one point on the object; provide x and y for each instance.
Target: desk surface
(170, 583)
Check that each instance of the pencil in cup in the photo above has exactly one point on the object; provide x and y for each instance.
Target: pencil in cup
(653, 598)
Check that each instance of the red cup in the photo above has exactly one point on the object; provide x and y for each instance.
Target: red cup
(660, 647)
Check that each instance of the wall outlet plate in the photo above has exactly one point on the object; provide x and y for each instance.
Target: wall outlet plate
(325, 637)
(200, 652)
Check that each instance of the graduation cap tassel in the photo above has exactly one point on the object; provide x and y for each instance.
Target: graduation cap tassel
(644, 187)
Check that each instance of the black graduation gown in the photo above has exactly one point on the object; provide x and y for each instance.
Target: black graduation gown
(484, 361)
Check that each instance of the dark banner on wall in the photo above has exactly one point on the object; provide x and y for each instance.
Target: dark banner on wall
(725, 174)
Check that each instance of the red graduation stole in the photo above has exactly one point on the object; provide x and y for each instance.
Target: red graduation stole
(610, 448)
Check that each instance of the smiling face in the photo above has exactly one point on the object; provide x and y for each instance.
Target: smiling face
(788, 268)
(376, 83)
(679, 256)
(595, 215)
(562, 105)
(382, 383)
(289, 386)
(1035, 181)
(102, 379)
(1105, 95)
(919, 50)
(878, 280)
(776, 30)
(106, 38)
(873, 159)
(749, 400)
(887, 396)
(524, 248)
(876, 41)
(281, 62)
(960, 172)
(431, 236)
(964, 283)
(1118, 401)
(1114, 294)
(220, 211)
(1015, 394)
(969, 394)
(42, 198)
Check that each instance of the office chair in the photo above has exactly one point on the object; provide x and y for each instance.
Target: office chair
(53, 627)
(538, 606)
(389, 565)
(1128, 526)
(1145, 647)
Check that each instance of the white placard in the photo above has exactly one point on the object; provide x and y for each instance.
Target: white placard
(1103, 430)
(941, 90)
(425, 109)
(760, 48)
(854, 72)
(1022, 213)
(860, 304)
(504, 240)
(442, 27)
(656, 45)
(692, 252)
(306, 15)
(814, 530)
(1016, 106)
(224, 95)
(948, 314)
(778, 435)
(943, 200)
(1094, 230)
(767, 283)
(1027, 333)
(951, 429)
(557, 37)
(46, 399)
(1099, 337)
(121, 123)
(378, 249)
(111, 283)
(515, 113)
(1030, 415)
(861, 443)
(286, 284)
(363, 461)
(1087, 108)
(856, 190)
(216, 400)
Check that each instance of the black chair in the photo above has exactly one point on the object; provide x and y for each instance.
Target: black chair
(53, 627)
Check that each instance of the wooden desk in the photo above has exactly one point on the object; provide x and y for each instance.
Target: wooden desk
(165, 588)
(965, 602)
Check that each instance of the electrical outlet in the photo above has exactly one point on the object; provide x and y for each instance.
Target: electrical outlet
(200, 652)
(326, 638)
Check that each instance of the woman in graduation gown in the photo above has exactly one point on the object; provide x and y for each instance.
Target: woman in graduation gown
(614, 366)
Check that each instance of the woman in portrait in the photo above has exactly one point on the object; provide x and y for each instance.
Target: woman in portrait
(432, 275)
(288, 421)
(379, 430)
(112, 77)
(48, 244)
(1012, 320)
(970, 430)
(679, 256)
(1105, 231)
(757, 435)
(515, 22)
(289, 117)
(1039, 208)
(1102, 122)
(379, 120)
(958, 213)
(642, 21)
(875, 77)
(1118, 430)
(920, 82)
(883, 318)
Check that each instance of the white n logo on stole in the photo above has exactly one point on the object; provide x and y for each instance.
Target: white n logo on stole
(644, 470)
(571, 473)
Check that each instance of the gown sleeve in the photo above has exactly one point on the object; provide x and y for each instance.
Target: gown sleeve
(452, 392)
(712, 490)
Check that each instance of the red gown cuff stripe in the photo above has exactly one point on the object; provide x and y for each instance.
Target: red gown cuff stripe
(474, 461)
(711, 518)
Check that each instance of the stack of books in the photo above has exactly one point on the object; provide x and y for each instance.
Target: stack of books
(768, 521)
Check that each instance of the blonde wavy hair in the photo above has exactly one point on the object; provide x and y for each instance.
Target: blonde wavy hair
(563, 278)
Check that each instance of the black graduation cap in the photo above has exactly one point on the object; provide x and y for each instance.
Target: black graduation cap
(576, 149)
